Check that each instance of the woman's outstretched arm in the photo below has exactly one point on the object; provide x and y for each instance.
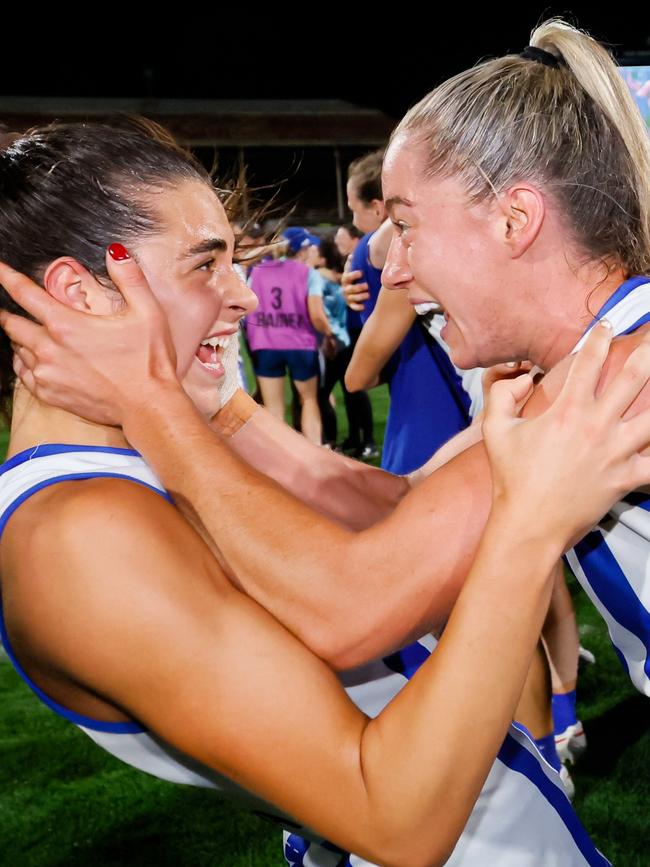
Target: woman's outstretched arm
(168, 640)
(353, 494)
(380, 337)
(349, 596)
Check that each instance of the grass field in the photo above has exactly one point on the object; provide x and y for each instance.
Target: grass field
(64, 802)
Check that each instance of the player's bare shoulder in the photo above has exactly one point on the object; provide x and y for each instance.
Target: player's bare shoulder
(97, 542)
(549, 385)
(65, 519)
(621, 349)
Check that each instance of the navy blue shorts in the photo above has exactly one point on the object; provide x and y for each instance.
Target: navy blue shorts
(302, 364)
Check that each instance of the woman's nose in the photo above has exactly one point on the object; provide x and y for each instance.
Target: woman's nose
(397, 272)
(240, 296)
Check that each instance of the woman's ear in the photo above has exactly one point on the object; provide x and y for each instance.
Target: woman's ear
(522, 215)
(379, 209)
(72, 284)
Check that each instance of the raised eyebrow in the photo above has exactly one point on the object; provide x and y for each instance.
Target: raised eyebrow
(397, 200)
(206, 246)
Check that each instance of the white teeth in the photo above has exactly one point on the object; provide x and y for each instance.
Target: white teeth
(427, 307)
(222, 341)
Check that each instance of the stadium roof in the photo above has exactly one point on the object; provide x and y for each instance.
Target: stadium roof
(219, 122)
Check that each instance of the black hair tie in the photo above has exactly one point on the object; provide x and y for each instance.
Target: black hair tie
(541, 56)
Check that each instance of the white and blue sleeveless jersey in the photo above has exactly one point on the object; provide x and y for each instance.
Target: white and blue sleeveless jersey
(522, 817)
(24, 475)
(612, 563)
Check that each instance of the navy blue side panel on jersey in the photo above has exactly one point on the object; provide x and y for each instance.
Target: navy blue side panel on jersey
(520, 760)
(428, 405)
(371, 275)
(407, 660)
(611, 586)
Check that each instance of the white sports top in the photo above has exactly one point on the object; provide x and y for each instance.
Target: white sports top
(522, 817)
(613, 562)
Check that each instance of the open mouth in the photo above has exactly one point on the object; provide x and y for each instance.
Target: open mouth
(210, 353)
(427, 307)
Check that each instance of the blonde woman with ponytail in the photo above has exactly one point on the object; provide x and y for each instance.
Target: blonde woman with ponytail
(519, 191)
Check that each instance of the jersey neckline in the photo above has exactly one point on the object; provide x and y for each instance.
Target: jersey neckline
(42, 451)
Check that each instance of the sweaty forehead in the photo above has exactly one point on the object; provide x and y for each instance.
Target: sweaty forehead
(191, 217)
(402, 173)
(190, 212)
(191, 205)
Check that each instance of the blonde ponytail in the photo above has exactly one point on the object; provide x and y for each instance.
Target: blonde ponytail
(573, 129)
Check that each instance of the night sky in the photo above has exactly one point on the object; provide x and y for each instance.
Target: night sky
(302, 51)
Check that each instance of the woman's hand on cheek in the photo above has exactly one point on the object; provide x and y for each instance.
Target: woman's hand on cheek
(97, 367)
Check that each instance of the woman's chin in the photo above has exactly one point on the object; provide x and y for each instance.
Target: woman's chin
(202, 387)
(462, 353)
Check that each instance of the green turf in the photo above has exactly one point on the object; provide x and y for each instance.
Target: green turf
(66, 803)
